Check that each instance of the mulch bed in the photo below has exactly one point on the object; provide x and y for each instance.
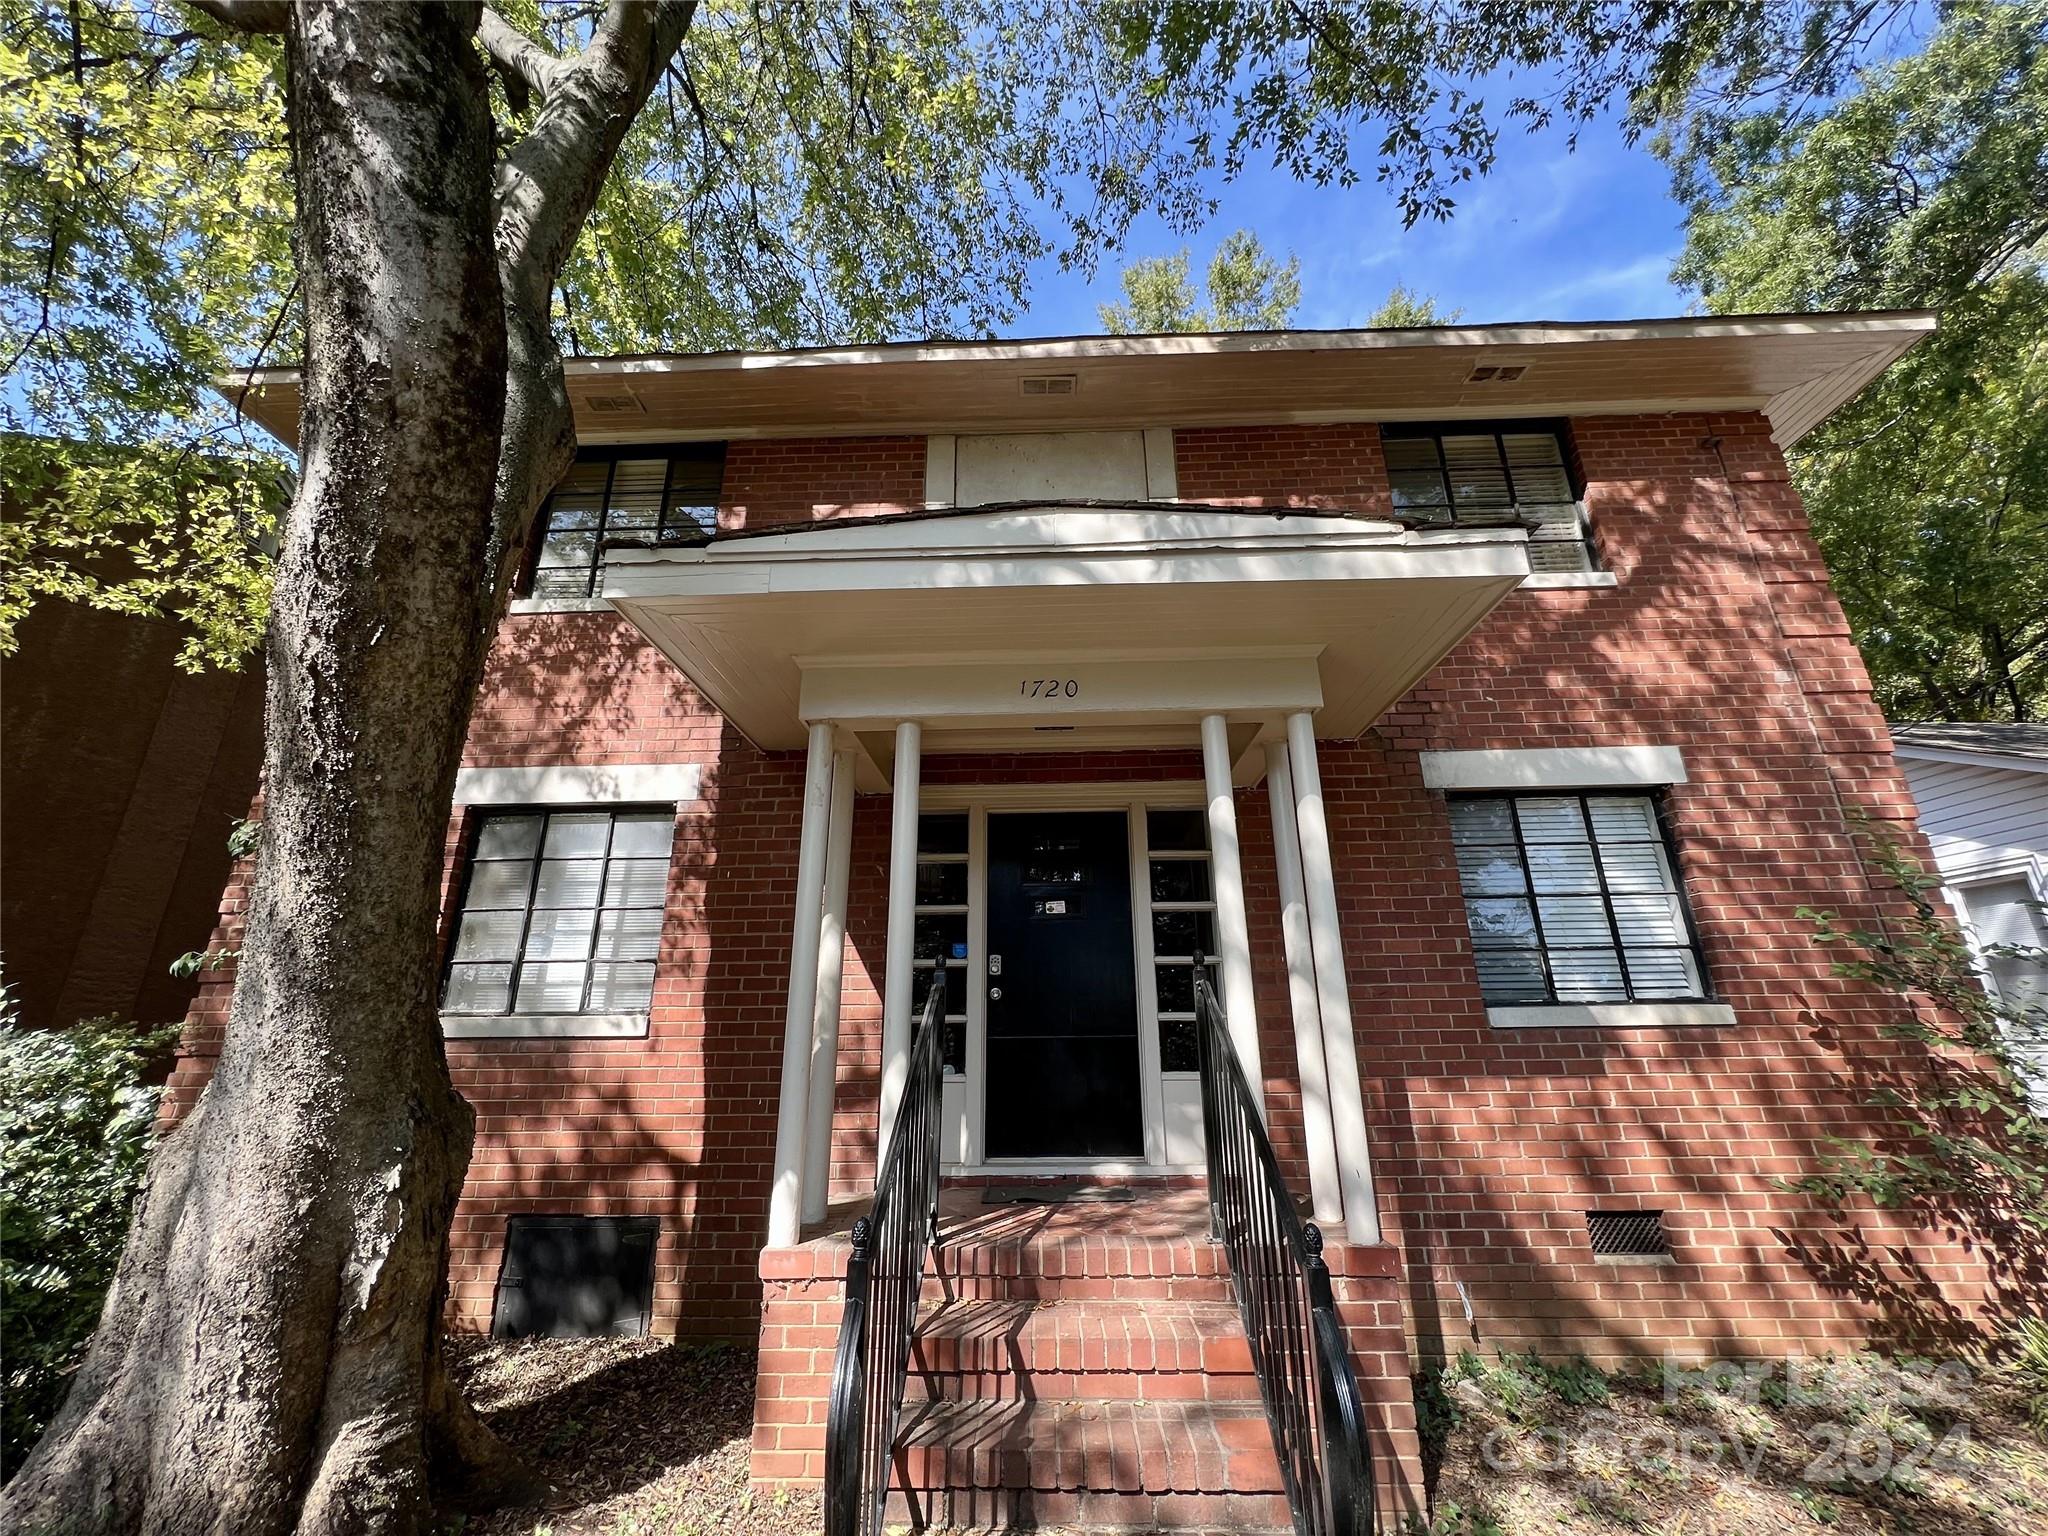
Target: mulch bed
(635, 1437)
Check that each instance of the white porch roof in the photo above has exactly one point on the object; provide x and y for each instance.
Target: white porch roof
(1059, 628)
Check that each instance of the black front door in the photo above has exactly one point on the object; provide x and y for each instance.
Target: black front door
(1062, 999)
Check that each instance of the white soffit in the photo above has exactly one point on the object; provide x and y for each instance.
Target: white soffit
(1795, 368)
(1049, 593)
(1554, 768)
(581, 784)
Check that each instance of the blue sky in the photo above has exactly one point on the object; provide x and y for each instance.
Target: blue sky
(1553, 233)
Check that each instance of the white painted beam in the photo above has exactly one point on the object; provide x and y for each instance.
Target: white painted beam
(831, 969)
(1226, 871)
(1319, 1130)
(1333, 990)
(785, 1195)
(898, 978)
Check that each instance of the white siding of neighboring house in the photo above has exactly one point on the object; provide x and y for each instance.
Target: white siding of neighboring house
(1989, 830)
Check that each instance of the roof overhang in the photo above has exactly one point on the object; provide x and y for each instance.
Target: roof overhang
(1063, 628)
(1794, 368)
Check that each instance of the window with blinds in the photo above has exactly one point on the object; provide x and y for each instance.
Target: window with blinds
(1476, 475)
(1574, 899)
(634, 493)
(561, 913)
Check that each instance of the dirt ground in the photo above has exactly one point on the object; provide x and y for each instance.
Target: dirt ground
(1859, 1446)
(638, 1437)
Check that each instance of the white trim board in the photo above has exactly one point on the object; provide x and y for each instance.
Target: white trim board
(1554, 768)
(544, 1026)
(1612, 1016)
(580, 784)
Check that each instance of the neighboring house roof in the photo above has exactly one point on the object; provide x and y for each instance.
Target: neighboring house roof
(1794, 368)
(1992, 744)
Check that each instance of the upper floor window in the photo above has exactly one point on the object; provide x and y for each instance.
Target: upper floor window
(1452, 475)
(561, 913)
(1574, 899)
(635, 493)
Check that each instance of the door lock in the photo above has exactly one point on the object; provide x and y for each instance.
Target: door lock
(995, 965)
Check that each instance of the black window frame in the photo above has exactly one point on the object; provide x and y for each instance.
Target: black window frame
(473, 836)
(1658, 796)
(668, 529)
(1499, 429)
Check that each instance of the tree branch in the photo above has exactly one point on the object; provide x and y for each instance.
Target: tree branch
(527, 68)
(245, 15)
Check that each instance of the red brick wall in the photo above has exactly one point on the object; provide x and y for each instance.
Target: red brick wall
(1489, 1145)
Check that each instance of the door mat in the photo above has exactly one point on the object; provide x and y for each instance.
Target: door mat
(1060, 1194)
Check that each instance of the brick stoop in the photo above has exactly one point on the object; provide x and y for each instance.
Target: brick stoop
(1079, 1366)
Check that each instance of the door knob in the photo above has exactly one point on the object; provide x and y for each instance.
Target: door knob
(995, 994)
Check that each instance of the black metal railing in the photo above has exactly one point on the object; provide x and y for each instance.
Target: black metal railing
(1283, 1293)
(883, 1279)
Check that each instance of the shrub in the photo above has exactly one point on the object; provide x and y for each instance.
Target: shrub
(75, 1117)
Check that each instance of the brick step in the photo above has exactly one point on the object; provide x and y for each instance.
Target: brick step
(1097, 1446)
(1062, 1263)
(1021, 1510)
(1081, 1349)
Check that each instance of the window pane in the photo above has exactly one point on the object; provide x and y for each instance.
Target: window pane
(1479, 483)
(636, 883)
(498, 886)
(1566, 868)
(1545, 819)
(554, 986)
(942, 834)
(1501, 921)
(1574, 920)
(1180, 879)
(1176, 988)
(940, 937)
(941, 885)
(1560, 557)
(1587, 976)
(1482, 821)
(508, 837)
(489, 935)
(560, 935)
(1649, 919)
(1511, 976)
(1623, 818)
(1664, 973)
(478, 989)
(571, 581)
(1633, 867)
(621, 988)
(579, 836)
(568, 883)
(1183, 933)
(644, 835)
(1178, 1051)
(697, 471)
(631, 935)
(1414, 474)
(636, 495)
(1485, 871)
(1177, 831)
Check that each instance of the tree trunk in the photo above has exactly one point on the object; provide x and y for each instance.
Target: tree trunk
(269, 1357)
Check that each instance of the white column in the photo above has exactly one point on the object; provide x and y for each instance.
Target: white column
(1333, 992)
(1326, 1193)
(831, 965)
(1226, 870)
(785, 1196)
(897, 977)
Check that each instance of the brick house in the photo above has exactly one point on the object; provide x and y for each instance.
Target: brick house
(1471, 702)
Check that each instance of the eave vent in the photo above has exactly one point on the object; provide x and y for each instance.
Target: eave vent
(614, 405)
(1048, 384)
(1496, 373)
(1628, 1234)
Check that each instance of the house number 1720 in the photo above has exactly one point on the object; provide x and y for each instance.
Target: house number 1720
(1049, 687)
